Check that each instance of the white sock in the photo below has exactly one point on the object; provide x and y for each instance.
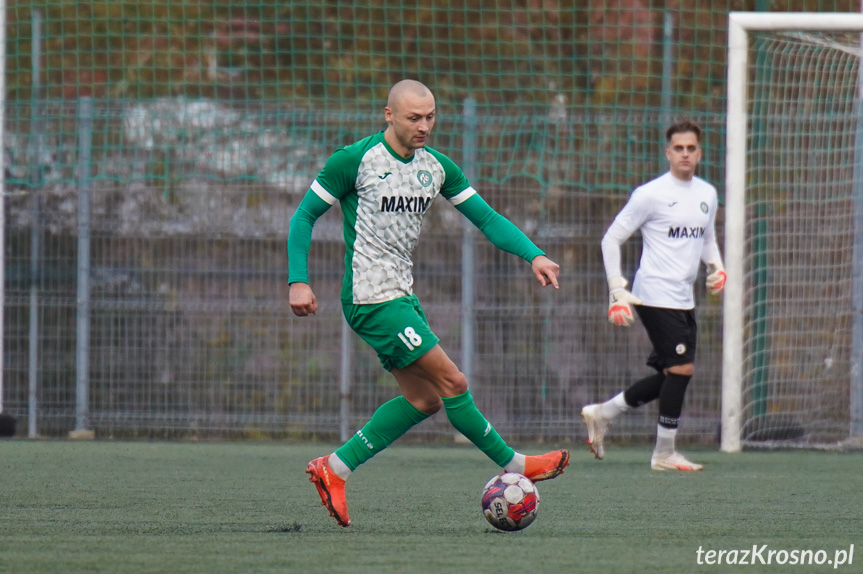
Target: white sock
(613, 407)
(516, 464)
(339, 467)
(664, 440)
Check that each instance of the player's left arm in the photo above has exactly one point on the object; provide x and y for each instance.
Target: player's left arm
(712, 258)
(506, 236)
(498, 229)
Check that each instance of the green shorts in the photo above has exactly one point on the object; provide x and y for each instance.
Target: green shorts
(397, 330)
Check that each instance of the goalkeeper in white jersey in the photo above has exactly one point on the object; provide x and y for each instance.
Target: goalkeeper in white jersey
(385, 184)
(676, 215)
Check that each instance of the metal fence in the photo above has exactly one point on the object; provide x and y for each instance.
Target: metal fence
(155, 152)
(146, 289)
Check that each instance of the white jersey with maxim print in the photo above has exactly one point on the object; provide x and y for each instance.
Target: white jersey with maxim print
(676, 219)
(384, 199)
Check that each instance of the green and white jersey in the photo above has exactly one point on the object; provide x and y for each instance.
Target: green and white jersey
(384, 199)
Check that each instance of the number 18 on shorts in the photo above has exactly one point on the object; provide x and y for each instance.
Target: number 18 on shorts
(397, 330)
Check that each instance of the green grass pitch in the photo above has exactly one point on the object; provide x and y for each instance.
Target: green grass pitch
(138, 507)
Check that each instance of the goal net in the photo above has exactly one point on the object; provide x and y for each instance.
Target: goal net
(793, 232)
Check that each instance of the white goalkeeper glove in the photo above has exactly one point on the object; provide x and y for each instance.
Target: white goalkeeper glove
(716, 277)
(620, 301)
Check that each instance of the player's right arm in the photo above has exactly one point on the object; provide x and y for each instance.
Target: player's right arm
(302, 298)
(332, 183)
(620, 300)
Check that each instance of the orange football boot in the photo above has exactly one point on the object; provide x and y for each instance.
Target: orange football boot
(331, 488)
(546, 466)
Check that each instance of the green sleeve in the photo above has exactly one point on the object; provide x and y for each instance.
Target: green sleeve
(499, 230)
(300, 236)
(335, 181)
(454, 179)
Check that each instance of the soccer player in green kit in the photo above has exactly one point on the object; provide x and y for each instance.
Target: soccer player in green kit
(385, 183)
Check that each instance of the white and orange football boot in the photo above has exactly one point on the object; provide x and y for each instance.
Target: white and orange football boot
(597, 426)
(673, 461)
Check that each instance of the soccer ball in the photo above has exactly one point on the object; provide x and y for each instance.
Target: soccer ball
(510, 501)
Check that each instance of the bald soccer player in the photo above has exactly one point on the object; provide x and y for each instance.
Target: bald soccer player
(385, 184)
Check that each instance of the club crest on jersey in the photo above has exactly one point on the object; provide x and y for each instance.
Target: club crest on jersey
(425, 178)
(704, 207)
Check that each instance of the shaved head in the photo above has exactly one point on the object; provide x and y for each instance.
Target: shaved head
(407, 89)
(410, 113)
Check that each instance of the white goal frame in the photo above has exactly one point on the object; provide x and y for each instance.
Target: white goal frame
(739, 26)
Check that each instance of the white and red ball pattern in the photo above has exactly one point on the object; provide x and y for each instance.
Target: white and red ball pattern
(510, 501)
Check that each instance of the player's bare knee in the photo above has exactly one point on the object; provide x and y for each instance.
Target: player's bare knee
(428, 406)
(454, 384)
(686, 370)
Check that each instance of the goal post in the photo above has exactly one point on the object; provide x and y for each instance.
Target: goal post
(793, 315)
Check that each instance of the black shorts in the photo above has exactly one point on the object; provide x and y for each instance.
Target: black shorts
(672, 332)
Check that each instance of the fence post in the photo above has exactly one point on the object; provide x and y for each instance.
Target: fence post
(7, 423)
(82, 343)
(35, 227)
(667, 84)
(345, 385)
(468, 246)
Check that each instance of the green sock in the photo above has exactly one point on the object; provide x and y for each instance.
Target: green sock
(467, 420)
(392, 419)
